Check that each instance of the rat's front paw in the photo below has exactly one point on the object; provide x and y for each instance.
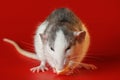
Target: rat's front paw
(42, 68)
(87, 66)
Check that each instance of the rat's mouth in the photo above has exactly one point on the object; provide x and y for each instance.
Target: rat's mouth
(63, 71)
(67, 69)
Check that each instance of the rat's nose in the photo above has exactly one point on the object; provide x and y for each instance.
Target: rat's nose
(59, 71)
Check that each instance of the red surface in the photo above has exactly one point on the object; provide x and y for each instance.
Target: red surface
(19, 20)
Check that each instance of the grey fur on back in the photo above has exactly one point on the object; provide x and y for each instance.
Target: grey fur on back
(61, 19)
(63, 15)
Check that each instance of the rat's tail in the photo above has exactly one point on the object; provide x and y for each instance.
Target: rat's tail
(20, 50)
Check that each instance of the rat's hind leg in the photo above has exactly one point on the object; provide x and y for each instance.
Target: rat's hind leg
(40, 53)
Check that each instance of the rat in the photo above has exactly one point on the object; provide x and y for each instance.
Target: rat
(62, 41)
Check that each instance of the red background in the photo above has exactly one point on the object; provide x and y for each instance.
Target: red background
(19, 20)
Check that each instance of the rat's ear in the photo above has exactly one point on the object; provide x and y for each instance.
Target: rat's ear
(80, 35)
(43, 37)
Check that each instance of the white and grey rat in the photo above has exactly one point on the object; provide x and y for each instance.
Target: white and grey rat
(61, 40)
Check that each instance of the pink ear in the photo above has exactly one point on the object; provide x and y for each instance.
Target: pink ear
(43, 36)
(80, 35)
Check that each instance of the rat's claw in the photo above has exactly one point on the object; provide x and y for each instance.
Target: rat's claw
(39, 68)
(42, 70)
(35, 69)
(93, 67)
(46, 68)
(54, 70)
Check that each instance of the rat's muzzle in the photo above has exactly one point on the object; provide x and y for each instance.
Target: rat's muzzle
(60, 66)
(61, 70)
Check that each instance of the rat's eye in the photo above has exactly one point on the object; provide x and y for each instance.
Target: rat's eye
(52, 49)
(68, 48)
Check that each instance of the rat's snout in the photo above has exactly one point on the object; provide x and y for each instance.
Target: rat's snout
(59, 70)
(60, 66)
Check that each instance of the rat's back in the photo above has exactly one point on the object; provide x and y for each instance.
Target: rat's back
(63, 15)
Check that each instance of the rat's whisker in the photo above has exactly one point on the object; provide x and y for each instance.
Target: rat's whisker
(87, 56)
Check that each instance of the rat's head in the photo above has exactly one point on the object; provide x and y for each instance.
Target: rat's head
(59, 43)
